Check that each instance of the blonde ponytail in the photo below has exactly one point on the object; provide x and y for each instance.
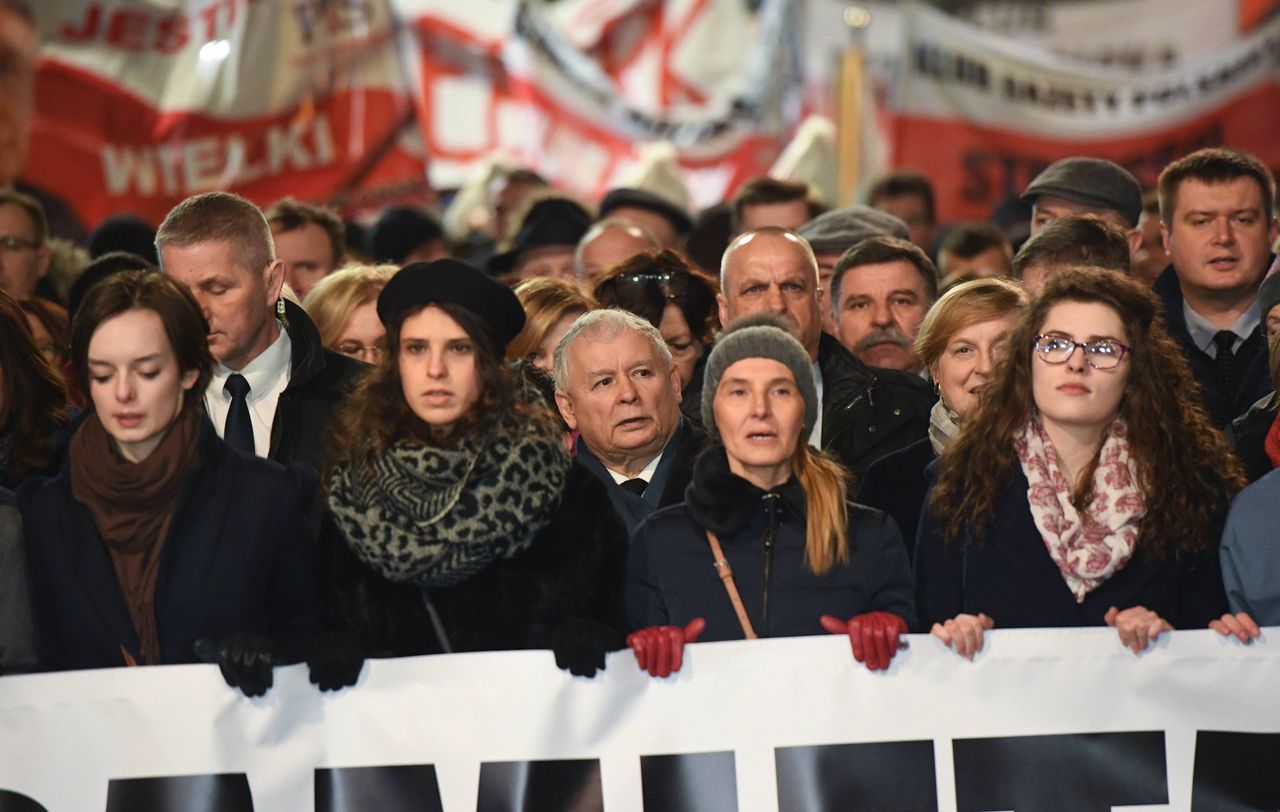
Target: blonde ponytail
(826, 508)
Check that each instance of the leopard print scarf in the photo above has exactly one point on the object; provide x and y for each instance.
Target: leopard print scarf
(436, 516)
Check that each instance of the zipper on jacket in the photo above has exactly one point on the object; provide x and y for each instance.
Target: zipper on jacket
(772, 504)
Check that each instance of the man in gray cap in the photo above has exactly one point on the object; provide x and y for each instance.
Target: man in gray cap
(1092, 186)
(836, 231)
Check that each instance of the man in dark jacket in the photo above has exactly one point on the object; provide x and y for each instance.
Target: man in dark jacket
(618, 387)
(1217, 208)
(275, 388)
(866, 413)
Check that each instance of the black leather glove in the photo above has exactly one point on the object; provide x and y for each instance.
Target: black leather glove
(334, 659)
(580, 645)
(245, 659)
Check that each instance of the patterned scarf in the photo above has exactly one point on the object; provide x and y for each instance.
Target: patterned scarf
(436, 516)
(1090, 548)
(944, 424)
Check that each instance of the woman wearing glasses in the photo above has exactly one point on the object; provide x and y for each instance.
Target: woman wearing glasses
(344, 307)
(666, 291)
(1088, 489)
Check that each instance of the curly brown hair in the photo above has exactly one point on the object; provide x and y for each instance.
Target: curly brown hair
(1183, 462)
(376, 415)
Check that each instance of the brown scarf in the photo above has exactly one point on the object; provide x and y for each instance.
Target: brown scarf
(132, 505)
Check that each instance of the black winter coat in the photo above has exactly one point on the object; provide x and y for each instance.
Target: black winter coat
(574, 568)
(237, 559)
(898, 484)
(1251, 376)
(318, 382)
(671, 578)
(1248, 435)
(868, 412)
(1008, 574)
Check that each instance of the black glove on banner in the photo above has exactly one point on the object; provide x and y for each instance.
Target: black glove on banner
(246, 660)
(334, 659)
(580, 645)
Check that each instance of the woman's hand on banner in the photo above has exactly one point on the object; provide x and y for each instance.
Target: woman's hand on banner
(964, 633)
(874, 636)
(660, 649)
(1137, 626)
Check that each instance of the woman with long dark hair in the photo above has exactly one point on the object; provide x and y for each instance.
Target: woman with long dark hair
(450, 471)
(1088, 489)
(773, 511)
(155, 535)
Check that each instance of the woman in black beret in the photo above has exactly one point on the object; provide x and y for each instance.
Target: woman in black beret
(451, 467)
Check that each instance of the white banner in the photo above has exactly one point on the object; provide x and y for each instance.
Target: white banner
(1047, 719)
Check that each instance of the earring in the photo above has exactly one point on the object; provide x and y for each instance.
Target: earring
(280, 307)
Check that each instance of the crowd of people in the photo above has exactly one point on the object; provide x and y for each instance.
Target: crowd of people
(256, 437)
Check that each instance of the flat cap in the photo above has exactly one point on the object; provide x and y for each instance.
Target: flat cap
(454, 282)
(1090, 182)
(841, 229)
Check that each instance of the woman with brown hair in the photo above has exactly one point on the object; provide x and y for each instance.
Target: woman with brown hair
(33, 400)
(1088, 489)
(766, 506)
(551, 306)
(156, 537)
(450, 472)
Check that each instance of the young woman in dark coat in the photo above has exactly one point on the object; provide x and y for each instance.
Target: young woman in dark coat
(446, 495)
(155, 536)
(961, 338)
(1089, 488)
(803, 559)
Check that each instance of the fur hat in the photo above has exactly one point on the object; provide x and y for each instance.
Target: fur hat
(758, 336)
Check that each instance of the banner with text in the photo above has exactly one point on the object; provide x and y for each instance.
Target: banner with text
(982, 114)
(139, 105)
(1043, 719)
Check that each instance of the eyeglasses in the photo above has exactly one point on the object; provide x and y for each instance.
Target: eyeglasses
(369, 353)
(672, 284)
(11, 243)
(1104, 353)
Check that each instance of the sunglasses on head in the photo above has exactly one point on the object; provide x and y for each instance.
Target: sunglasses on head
(672, 284)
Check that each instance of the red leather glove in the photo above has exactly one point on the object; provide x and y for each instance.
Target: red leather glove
(660, 649)
(874, 636)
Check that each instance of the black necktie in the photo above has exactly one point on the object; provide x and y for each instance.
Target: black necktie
(1225, 341)
(636, 486)
(239, 429)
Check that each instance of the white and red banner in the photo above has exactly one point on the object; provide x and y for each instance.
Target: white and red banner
(982, 114)
(361, 102)
(1043, 719)
(140, 104)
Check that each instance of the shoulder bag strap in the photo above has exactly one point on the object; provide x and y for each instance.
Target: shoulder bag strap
(726, 576)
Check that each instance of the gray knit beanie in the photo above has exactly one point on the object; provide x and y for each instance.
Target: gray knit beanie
(758, 336)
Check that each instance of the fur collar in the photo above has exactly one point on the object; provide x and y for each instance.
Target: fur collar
(722, 501)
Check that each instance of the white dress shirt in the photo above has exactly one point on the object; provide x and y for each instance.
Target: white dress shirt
(268, 375)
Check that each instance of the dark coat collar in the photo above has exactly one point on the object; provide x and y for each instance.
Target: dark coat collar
(722, 501)
(307, 356)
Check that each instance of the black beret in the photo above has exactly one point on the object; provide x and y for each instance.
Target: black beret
(1090, 182)
(452, 281)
